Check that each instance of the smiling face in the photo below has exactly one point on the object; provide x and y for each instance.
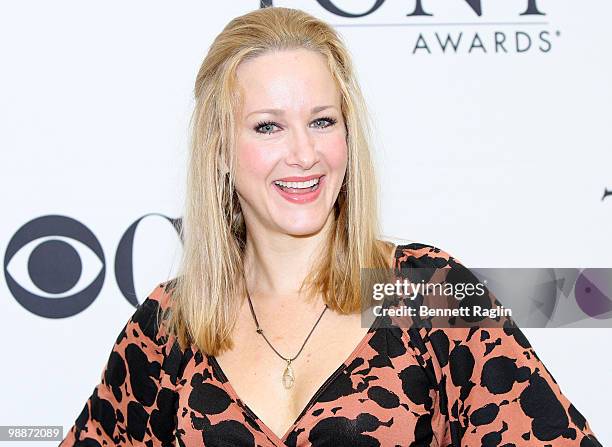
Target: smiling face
(303, 138)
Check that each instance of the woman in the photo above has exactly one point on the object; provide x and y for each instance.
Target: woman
(259, 340)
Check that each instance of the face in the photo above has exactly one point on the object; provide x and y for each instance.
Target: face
(302, 140)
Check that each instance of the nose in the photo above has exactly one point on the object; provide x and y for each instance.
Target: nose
(302, 150)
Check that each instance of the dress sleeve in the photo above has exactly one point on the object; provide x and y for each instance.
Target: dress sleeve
(134, 403)
(493, 390)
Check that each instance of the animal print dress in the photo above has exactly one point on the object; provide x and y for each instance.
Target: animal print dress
(399, 387)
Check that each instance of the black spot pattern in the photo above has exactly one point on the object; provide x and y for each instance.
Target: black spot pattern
(415, 387)
(499, 374)
(207, 398)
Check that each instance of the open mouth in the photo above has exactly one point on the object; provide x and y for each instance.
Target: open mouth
(300, 192)
(299, 187)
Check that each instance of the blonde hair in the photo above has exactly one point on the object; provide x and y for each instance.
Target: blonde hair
(205, 294)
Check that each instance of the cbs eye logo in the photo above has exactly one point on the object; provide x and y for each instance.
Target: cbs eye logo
(54, 255)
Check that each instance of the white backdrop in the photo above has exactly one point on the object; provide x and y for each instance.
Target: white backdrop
(499, 157)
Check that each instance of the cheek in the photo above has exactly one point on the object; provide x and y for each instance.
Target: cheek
(336, 152)
(253, 160)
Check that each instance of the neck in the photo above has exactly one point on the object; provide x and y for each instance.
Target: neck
(276, 264)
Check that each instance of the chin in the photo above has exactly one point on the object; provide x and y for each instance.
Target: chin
(302, 228)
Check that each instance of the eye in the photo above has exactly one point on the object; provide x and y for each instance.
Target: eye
(330, 121)
(264, 124)
(265, 127)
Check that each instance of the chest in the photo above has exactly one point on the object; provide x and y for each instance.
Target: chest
(370, 397)
(254, 372)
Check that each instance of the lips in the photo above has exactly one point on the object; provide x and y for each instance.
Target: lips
(298, 179)
(301, 196)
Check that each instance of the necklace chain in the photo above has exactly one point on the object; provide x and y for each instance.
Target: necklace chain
(260, 331)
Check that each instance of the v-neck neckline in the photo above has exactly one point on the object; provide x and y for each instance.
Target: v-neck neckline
(232, 392)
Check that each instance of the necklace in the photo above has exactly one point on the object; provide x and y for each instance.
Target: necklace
(288, 377)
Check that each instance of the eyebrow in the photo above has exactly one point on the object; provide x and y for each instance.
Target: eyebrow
(281, 111)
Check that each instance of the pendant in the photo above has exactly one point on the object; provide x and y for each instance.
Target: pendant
(288, 376)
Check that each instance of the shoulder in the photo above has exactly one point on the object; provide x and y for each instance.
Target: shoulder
(134, 399)
(442, 338)
(161, 295)
(486, 375)
(418, 254)
(143, 326)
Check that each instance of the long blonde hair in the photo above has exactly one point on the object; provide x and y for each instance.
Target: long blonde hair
(205, 294)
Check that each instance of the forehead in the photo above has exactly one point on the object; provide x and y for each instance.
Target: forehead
(286, 79)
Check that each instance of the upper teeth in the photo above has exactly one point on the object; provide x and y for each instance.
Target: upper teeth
(308, 184)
